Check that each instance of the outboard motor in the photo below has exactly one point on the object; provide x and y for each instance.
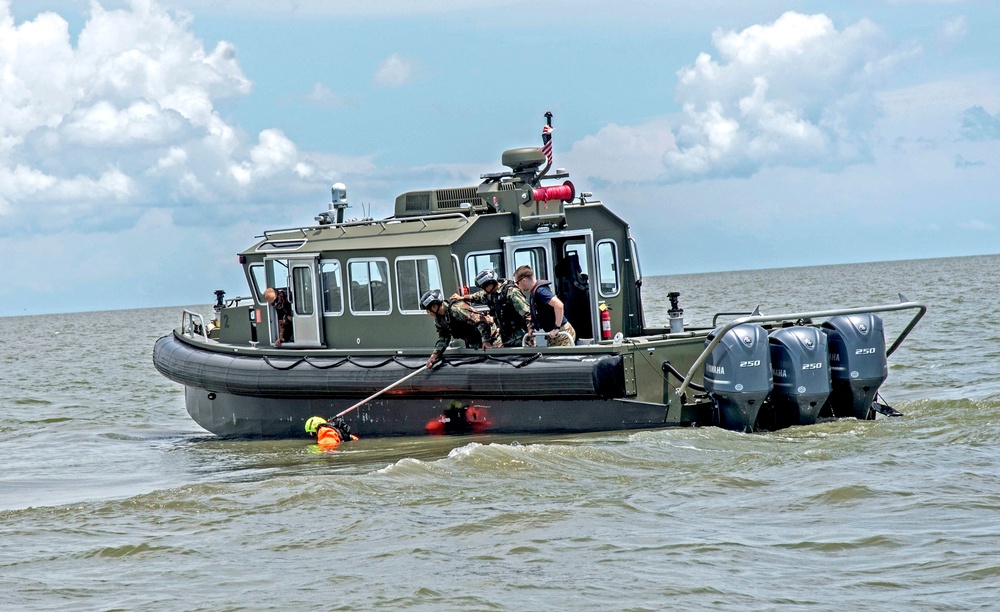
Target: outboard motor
(737, 375)
(801, 370)
(857, 363)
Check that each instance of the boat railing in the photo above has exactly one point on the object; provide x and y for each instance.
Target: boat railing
(343, 227)
(715, 319)
(541, 338)
(190, 328)
(755, 317)
(234, 302)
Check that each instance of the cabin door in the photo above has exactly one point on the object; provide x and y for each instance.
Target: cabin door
(299, 277)
(564, 258)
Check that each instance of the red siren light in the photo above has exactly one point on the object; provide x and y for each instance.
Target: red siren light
(565, 192)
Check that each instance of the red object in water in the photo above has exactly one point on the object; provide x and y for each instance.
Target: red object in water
(460, 420)
(435, 427)
(565, 192)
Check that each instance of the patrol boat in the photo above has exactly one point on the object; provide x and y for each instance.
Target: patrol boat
(355, 286)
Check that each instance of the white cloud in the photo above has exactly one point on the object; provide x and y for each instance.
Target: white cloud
(273, 154)
(140, 123)
(129, 115)
(321, 95)
(952, 32)
(176, 156)
(621, 153)
(793, 92)
(396, 71)
(24, 184)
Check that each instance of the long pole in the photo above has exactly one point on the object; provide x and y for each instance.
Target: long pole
(378, 393)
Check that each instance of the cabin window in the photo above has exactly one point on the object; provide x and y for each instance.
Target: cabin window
(369, 286)
(333, 296)
(414, 277)
(607, 268)
(302, 282)
(483, 260)
(259, 281)
(277, 269)
(534, 257)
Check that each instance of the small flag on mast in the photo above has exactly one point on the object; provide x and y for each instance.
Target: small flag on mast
(547, 137)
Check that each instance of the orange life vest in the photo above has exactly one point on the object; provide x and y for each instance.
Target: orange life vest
(329, 437)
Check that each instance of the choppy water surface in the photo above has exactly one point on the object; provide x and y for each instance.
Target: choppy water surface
(111, 498)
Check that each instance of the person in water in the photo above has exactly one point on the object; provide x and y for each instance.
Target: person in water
(329, 435)
(548, 313)
(507, 304)
(283, 313)
(455, 318)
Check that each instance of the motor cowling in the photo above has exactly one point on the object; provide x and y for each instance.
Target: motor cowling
(737, 375)
(800, 367)
(858, 364)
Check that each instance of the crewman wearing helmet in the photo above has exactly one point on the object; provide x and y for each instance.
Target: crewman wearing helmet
(329, 435)
(455, 318)
(507, 304)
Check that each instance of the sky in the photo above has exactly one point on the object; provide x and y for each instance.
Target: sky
(144, 143)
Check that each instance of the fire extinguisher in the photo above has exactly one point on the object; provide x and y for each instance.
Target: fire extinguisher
(605, 321)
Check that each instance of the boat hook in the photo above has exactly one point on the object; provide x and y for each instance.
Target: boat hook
(378, 393)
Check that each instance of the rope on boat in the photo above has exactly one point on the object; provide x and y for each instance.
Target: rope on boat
(512, 361)
(294, 363)
(483, 358)
(351, 361)
(327, 367)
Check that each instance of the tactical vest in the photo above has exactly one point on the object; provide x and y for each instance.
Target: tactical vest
(463, 330)
(543, 316)
(505, 314)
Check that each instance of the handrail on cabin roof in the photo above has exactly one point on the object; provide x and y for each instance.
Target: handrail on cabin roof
(382, 222)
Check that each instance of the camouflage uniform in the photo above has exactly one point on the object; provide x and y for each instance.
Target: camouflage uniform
(509, 308)
(459, 320)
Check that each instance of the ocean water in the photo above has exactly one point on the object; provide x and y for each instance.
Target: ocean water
(112, 498)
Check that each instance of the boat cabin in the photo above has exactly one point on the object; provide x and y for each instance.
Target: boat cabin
(357, 284)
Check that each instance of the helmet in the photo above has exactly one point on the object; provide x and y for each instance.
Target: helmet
(485, 277)
(313, 424)
(432, 296)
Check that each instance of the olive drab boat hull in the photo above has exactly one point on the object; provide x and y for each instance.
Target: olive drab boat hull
(354, 287)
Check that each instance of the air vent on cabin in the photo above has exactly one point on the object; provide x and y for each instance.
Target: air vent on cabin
(453, 198)
(418, 202)
(438, 201)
